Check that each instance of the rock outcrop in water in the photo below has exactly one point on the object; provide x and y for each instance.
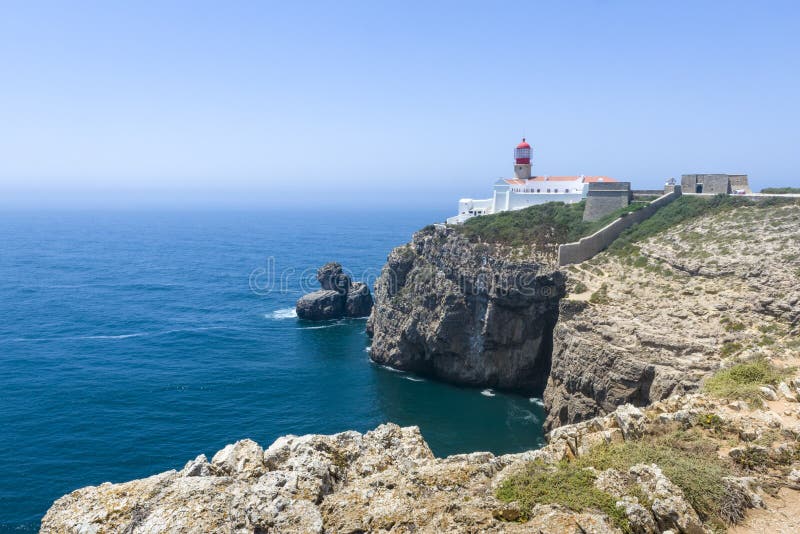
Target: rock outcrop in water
(339, 296)
(465, 312)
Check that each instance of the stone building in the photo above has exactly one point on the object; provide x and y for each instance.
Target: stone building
(714, 184)
(603, 198)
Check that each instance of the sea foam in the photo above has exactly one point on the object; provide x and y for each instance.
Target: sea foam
(283, 313)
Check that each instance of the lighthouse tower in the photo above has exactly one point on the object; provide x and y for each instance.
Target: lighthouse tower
(522, 160)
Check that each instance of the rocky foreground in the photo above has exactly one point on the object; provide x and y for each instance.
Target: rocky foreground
(388, 480)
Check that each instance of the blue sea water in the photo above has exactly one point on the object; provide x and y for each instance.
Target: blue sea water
(131, 342)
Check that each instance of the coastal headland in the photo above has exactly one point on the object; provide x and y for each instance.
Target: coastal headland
(667, 363)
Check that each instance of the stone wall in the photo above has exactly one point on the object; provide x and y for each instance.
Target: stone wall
(588, 246)
(713, 184)
(739, 182)
(643, 193)
(604, 198)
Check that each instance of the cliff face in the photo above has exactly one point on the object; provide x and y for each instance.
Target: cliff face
(668, 312)
(465, 312)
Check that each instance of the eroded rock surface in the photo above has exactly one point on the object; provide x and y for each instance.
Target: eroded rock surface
(722, 286)
(339, 296)
(387, 480)
(469, 313)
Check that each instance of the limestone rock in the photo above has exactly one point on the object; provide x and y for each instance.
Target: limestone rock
(244, 459)
(359, 301)
(674, 310)
(321, 305)
(339, 297)
(466, 312)
(768, 393)
(670, 509)
(331, 277)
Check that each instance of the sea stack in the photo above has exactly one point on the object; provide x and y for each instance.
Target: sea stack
(339, 296)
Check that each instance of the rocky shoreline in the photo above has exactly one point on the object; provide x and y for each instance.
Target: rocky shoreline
(387, 480)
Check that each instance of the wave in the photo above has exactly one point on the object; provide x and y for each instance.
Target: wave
(319, 327)
(536, 401)
(515, 413)
(488, 393)
(414, 379)
(392, 369)
(283, 313)
(120, 336)
(368, 349)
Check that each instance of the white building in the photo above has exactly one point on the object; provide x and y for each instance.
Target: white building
(525, 190)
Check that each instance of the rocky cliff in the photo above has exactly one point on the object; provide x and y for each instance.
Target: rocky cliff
(653, 319)
(466, 312)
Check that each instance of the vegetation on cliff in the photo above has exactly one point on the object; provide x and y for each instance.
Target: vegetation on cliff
(565, 484)
(744, 380)
(543, 226)
(684, 209)
(687, 457)
(781, 190)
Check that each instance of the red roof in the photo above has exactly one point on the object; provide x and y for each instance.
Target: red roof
(523, 144)
(585, 180)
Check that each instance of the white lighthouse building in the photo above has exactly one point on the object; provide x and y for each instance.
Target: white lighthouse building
(524, 190)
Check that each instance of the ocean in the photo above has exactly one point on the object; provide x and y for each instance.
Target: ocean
(131, 342)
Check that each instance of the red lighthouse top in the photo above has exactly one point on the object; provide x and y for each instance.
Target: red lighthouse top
(522, 154)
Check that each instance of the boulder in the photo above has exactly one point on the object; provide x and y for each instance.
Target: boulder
(339, 296)
(321, 305)
(359, 300)
(331, 276)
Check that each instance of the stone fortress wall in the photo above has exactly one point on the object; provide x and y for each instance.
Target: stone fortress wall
(714, 184)
(604, 198)
(591, 245)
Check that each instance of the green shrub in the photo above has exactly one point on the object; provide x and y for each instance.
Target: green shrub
(731, 326)
(565, 484)
(541, 226)
(640, 261)
(600, 296)
(743, 380)
(580, 287)
(753, 458)
(730, 347)
(781, 190)
(687, 457)
(683, 209)
(711, 421)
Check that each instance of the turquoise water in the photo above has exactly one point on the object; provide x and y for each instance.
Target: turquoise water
(131, 342)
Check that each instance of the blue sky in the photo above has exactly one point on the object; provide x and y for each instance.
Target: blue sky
(260, 104)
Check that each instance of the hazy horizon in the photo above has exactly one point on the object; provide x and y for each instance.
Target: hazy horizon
(195, 104)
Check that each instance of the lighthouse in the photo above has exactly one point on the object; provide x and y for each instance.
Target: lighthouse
(522, 161)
